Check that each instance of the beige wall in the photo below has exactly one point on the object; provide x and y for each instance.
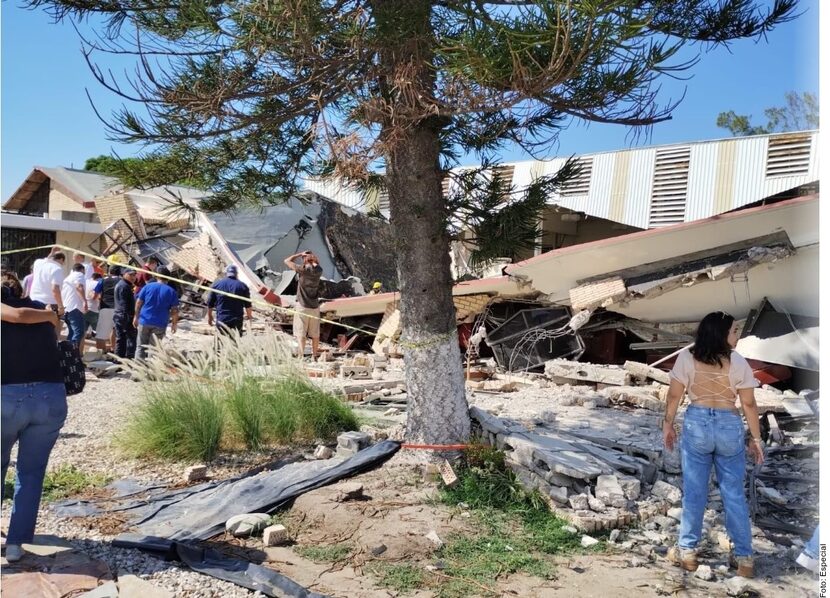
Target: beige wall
(75, 240)
(59, 202)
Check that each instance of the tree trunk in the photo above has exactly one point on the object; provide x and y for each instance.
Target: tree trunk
(437, 411)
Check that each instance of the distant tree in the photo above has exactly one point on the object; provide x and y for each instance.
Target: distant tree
(257, 94)
(799, 113)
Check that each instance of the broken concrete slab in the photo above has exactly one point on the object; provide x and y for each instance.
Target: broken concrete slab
(638, 396)
(47, 545)
(609, 491)
(586, 372)
(643, 372)
(348, 491)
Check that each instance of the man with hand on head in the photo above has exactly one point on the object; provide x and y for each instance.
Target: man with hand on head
(307, 308)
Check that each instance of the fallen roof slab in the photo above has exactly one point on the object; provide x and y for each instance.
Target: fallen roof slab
(789, 281)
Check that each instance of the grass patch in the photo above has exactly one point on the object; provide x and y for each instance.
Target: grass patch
(400, 578)
(62, 482)
(324, 554)
(67, 480)
(518, 533)
(178, 421)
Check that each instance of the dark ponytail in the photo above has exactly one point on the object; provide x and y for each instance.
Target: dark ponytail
(711, 340)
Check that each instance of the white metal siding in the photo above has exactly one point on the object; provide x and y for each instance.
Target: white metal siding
(703, 166)
(639, 188)
(598, 202)
(336, 192)
(750, 157)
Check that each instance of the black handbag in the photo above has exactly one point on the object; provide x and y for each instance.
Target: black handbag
(72, 366)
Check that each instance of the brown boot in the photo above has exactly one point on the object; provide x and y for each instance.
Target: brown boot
(683, 557)
(744, 564)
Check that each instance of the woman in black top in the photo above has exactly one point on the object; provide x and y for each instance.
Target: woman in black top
(33, 403)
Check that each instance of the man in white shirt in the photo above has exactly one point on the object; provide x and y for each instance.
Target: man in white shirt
(88, 269)
(74, 301)
(47, 278)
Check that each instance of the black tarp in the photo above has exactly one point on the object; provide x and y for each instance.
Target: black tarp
(167, 523)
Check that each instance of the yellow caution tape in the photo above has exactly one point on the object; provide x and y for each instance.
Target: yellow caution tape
(253, 301)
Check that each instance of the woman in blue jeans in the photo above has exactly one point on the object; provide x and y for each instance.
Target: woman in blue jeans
(33, 404)
(715, 377)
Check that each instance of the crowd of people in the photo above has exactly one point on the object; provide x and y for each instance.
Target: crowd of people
(128, 311)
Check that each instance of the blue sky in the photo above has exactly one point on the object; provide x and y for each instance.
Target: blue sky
(47, 119)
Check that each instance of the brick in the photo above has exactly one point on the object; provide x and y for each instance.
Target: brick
(595, 294)
(275, 535)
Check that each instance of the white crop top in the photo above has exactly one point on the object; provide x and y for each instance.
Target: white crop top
(706, 385)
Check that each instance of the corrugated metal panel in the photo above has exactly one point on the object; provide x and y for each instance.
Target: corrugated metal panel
(639, 188)
(814, 159)
(748, 183)
(336, 192)
(703, 165)
(619, 187)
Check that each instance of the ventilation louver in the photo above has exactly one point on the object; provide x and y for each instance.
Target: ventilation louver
(581, 183)
(668, 193)
(788, 155)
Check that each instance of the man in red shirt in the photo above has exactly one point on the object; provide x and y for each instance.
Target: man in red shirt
(142, 278)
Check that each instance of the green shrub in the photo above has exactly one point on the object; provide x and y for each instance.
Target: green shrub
(180, 421)
(247, 409)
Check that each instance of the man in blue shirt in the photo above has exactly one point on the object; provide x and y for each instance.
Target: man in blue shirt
(155, 304)
(229, 310)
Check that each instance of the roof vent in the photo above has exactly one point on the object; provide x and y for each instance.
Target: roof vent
(788, 155)
(581, 183)
(668, 193)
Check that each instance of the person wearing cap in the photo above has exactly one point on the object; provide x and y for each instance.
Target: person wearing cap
(229, 310)
(377, 288)
(156, 304)
(122, 318)
(307, 308)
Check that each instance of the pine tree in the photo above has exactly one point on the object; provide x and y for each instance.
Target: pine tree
(258, 93)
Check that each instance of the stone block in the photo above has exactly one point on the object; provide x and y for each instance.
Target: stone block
(596, 504)
(323, 452)
(433, 537)
(675, 513)
(588, 541)
(559, 494)
(574, 371)
(667, 492)
(579, 502)
(275, 535)
(610, 492)
(349, 443)
(194, 473)
(630, 487)
(348, 491)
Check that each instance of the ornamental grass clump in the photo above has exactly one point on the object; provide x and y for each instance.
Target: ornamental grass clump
(247, 393)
